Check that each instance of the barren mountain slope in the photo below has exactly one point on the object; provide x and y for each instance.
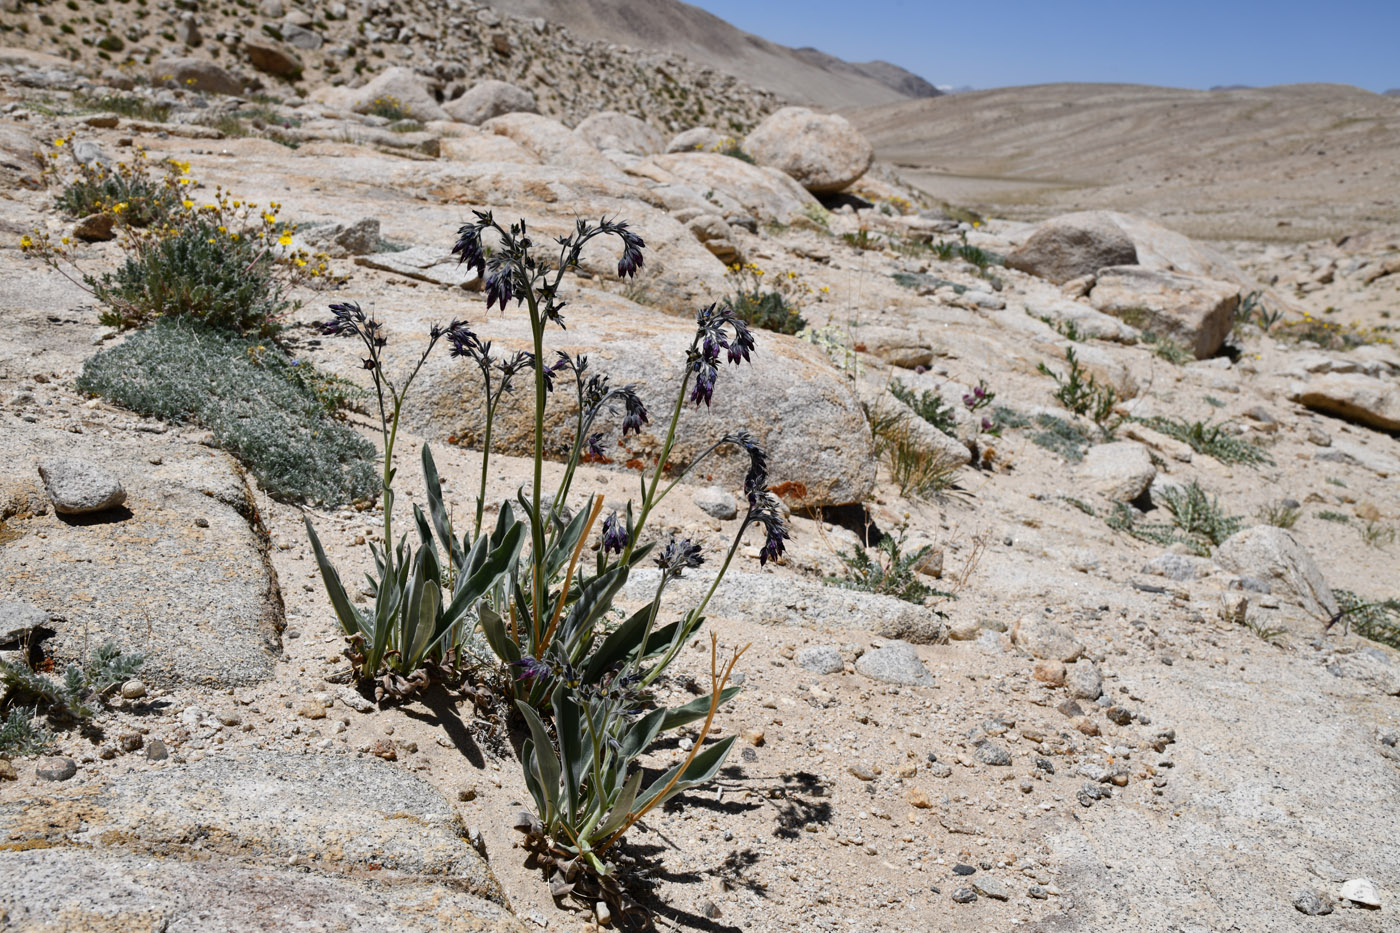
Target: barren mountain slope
(1289, 162)
(801, 75)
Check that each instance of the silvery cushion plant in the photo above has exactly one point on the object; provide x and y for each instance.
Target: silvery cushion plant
(581, 682)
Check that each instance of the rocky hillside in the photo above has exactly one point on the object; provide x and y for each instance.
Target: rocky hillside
(1289, 163)
(287, 50)
(1088, 620)
(806, 75)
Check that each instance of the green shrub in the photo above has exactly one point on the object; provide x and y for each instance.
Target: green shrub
(774, 309)
(259, 405)
(196, 273)
(1209, 439)
(891, 572)
(1081, 393)
(928, 406)
(76, 695)
(1063, 437)
(1197, 520)
(1279, 515)
(1167, 349)
(19, 733)
(1377, 620)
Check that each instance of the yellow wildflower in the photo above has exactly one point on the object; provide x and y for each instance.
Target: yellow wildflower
(187, 204)
(25, 242)
(286, 240)
(59, 142)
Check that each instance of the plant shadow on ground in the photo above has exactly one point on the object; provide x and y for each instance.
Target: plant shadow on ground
(443, 712)
(789, 794)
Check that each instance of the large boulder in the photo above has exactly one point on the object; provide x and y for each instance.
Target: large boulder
(197, 74)
(728, 186)
(552, 143)
(1196, 313)
(1044, 639)
(181, 574)
(474, 145)
(1121, 470)
(696, 139)
(194, 847)
(1072, 245)
(490, 98)
(1367, 400)
(621, 132)
(790, 397)
(822, 152)
(272, 57)
(400, 88)
(1274, 556)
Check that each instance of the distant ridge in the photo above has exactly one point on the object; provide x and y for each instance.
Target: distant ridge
(803, 76)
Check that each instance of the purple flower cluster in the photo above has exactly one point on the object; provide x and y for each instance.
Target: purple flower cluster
(615, 537)
(717, 330)
(679, 555)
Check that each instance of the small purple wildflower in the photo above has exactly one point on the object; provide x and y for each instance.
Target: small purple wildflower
(678, 555)
(531, 668)
(593, 447)
(614, 537)
(636, 412)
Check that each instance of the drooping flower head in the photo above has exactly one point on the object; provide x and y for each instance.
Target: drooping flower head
(636, 415)
(632, 245)
(614, 537)
(764, 511)
(532, 668)
(468, 249)
(347, 320)
(756, 480)
(679, 554)
(716, 330)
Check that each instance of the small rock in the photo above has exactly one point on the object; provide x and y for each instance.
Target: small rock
(1088, 726)
(988, 886)
(312, 709)
(1118, 715)
(130, 742)
(353, 700)
(820, 659)
(1051, 673)
(156, 750)
(384, 748)
(1362, 891)
(961, 869)
(940, 769)
(95, 228)
(716, 502)
(7, 770)
(1070, 709)
(77, 487)
(1045, 639)
(917, 798)
(989, 753)
(964, 896)
(133, 690)
(1308, 901)
(895, 663)
(863, 772)
(1084, 680)
(1037, 892)
(55, 769)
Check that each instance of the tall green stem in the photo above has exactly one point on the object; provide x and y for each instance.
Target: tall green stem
(536, 519)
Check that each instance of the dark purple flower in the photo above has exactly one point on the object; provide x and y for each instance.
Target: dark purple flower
(742, 344)
(636, 415)
(704, 388)
(614, 537)
(498, 285)
(763, 510)
(987, 424)
(348, 317)
(468, 249)
(679, 555)
(631, 259)
(756, 480)
(593, 447)
(531, 669)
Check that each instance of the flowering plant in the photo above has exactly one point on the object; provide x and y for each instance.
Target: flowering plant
(582, 688)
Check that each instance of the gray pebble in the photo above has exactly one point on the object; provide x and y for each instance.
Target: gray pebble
(964, 896)
(990, 753)
(820, 659)
(156, 750)
(1309, 902)
(55, 769)
(76, 487)
(716, 503)
(988, 886)
(895, 663)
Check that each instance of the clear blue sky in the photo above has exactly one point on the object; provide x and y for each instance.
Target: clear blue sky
(1185, 43)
